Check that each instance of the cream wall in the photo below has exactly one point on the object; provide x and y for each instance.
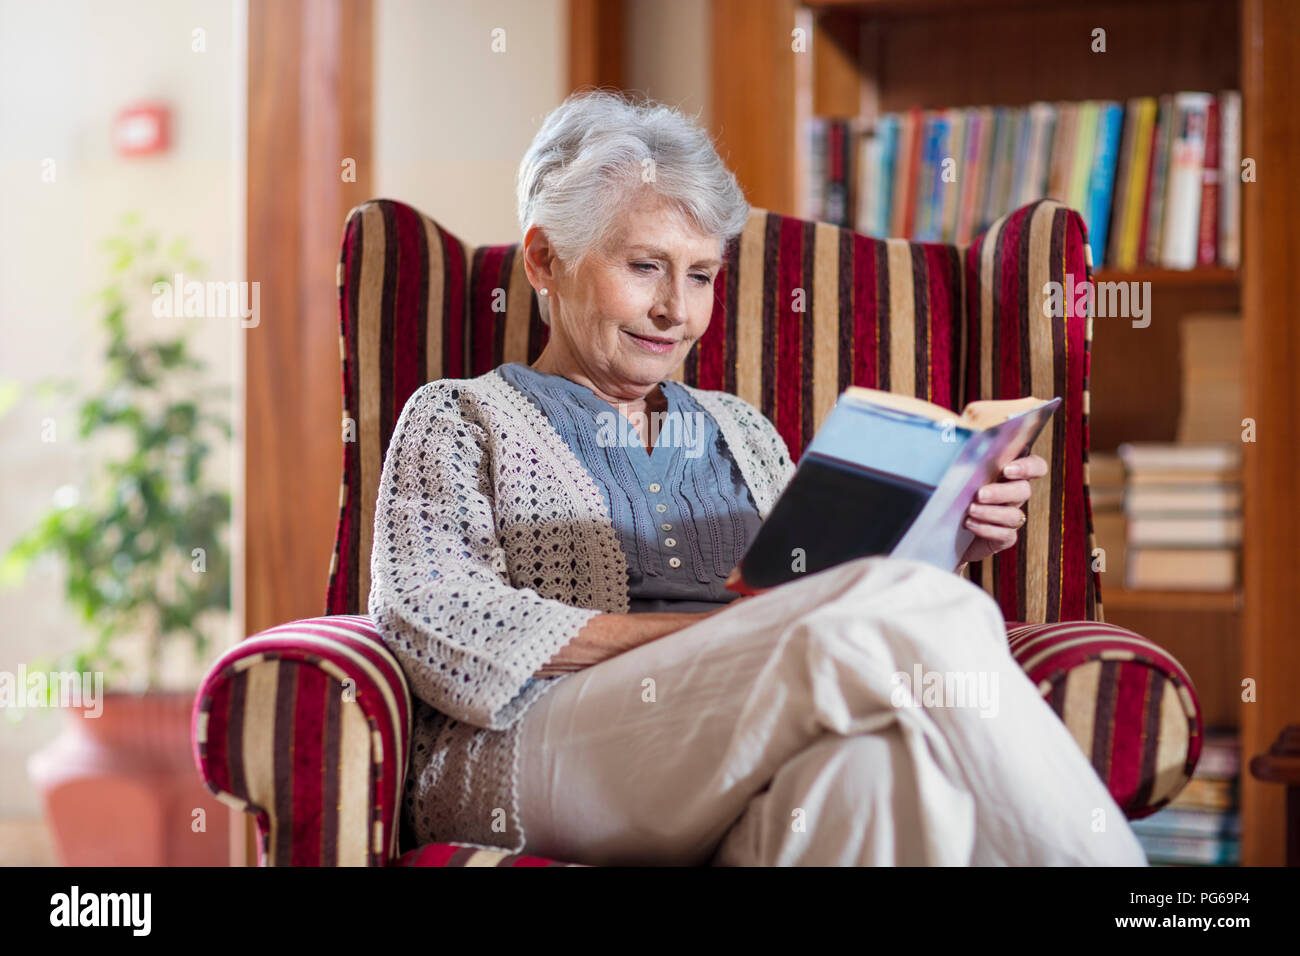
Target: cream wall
(452, 117)
(667, 52)
(65, 67)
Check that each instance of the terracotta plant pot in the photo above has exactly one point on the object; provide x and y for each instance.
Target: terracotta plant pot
(121, 789)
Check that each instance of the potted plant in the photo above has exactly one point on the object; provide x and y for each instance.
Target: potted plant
(147, 567)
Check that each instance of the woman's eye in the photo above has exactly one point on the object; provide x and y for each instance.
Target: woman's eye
(643, 265)
(703, 278)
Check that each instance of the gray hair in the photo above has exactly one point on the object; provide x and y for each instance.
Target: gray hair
(596, 148)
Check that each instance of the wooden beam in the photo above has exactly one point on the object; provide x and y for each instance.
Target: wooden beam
(596, 37)
(309, 110)
(1271, 357)
(753, 98)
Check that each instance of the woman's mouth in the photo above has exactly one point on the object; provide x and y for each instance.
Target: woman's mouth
(653, 343)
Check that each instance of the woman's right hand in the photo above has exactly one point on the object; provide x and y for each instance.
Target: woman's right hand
(608, 635)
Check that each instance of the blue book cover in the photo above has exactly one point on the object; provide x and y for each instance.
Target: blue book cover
(887, 475)
(1102, 183)
(929, 194)
(888, 133)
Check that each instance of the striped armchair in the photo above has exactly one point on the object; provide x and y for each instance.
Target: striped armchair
(307, 725)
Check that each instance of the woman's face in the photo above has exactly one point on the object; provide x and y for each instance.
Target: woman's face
(627, 318)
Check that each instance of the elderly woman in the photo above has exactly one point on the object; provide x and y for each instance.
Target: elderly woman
(587, 688)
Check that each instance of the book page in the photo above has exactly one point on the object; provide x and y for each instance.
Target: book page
(977, 416)
(982, 415)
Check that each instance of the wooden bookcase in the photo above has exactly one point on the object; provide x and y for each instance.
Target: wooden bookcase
(865, 57)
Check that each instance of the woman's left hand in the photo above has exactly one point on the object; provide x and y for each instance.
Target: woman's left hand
(995, 515)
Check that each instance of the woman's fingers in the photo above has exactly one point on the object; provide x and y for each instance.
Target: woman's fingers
(998, 535)
(1031, 466)
(1004, 492)
(1004, 516)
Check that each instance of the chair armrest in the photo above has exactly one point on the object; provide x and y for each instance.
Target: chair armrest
(307, 726)
(1128, 704)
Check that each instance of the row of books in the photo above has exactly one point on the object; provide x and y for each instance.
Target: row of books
(1157, 180)
(1202, 825)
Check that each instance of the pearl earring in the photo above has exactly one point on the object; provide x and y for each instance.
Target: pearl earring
(543, 291)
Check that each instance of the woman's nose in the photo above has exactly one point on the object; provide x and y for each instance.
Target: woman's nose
(671, 304)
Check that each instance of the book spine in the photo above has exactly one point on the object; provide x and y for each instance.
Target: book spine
(1020, 168)
(1085, 146)
(909, 158)
(1230, 179)
(836, 186)
(980, 176)
(1007, 163)
(1136, 205)
(1156, 188)
(868, 171)
(1183, 192)
(1046, 128)
(889, 173)
(815, 198)
(1123, 183)
(1207, 253)
(1103, 177)
(989, 204)
(1067, 121)
(929, 180)
(950, 192)
(968, 177)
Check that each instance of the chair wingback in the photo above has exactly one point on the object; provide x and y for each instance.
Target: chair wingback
(1015, 348)
(801, 311)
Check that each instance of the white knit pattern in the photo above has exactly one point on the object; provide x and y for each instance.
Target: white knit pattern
(492, 549)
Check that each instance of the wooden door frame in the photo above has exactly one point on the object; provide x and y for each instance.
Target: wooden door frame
(309, 112)
(1270, 38)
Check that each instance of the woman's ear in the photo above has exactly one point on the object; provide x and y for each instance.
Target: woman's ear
(539, 258)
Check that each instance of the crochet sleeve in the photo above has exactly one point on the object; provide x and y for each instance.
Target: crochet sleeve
(758, 447)
(776, 453)
(468, 640)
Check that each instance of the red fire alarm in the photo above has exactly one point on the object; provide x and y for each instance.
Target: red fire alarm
(142, 129)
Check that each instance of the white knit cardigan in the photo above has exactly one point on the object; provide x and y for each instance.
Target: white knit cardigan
(492, 549)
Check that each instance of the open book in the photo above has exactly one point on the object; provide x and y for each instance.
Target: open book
(887, 474)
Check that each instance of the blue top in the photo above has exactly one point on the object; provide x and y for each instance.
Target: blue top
(682, 511)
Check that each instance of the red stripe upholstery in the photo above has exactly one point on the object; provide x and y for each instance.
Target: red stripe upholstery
(270, 737)
(1129, 704)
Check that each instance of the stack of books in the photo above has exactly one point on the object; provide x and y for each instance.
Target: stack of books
(1157, 180)
(1202, 826)
(1106, 492)
(1183, 512)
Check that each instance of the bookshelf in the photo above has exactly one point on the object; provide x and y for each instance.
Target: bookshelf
(1209, 276)
(866, 57)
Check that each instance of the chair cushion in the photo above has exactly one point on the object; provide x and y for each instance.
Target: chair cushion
(459, 854)
(1129, 705)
